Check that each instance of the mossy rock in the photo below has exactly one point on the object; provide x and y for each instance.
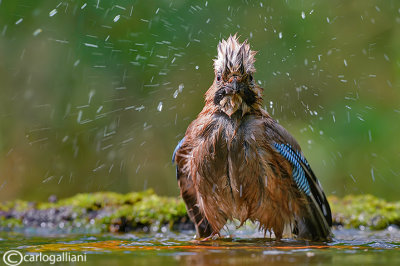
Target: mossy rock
(364, 211)
(100, 211)
(113, 212)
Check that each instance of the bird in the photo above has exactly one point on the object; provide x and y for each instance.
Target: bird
(237, 163)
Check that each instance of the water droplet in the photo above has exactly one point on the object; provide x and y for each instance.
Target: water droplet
(37, 32)
(52, 12)
(91, 45)
(91, 94)
(116, 18)
(159, 107)
(280, 35)
(386, 57)
(19, 21)
(372, 174)
(303, 15)
(79, 116)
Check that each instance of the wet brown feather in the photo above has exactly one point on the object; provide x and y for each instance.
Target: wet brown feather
(229, 170)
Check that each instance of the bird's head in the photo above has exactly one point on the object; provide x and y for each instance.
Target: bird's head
(234, 87)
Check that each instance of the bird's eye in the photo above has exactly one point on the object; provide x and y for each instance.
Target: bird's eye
(218, 77)
(251, 78)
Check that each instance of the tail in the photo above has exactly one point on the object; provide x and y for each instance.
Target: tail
(311, 224)
(315, 220)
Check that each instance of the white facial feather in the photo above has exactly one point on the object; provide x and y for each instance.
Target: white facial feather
(234, 57)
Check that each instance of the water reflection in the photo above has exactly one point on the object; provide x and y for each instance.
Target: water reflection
(255, 257)
(348, 247)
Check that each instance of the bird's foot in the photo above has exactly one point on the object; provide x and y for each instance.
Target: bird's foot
(213, 236)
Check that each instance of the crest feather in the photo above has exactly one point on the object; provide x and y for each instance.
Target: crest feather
(234, 57)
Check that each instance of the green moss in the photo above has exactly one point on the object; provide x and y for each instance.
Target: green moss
(10, 222)
(151, 210)
(105, 211)
(98, 200)
(365, 210)
(110, 211)
(18, 205)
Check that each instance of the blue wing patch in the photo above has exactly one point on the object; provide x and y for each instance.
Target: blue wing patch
(295, 158)
(176, 149)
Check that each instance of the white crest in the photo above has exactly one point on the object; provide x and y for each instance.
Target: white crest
(234, 57)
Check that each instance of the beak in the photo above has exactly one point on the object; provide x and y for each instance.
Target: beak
(234, 84)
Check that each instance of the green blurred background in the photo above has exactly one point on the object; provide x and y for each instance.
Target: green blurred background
(94, 95)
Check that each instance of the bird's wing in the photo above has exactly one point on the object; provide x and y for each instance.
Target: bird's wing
(305, 178)
(316, 221)
(177, 148)
(188, 192)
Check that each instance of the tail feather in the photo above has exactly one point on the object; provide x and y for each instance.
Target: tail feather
(318, 197)
(311, 224)
(316, 219)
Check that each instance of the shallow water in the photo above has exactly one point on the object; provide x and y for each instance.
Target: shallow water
(245, 248)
